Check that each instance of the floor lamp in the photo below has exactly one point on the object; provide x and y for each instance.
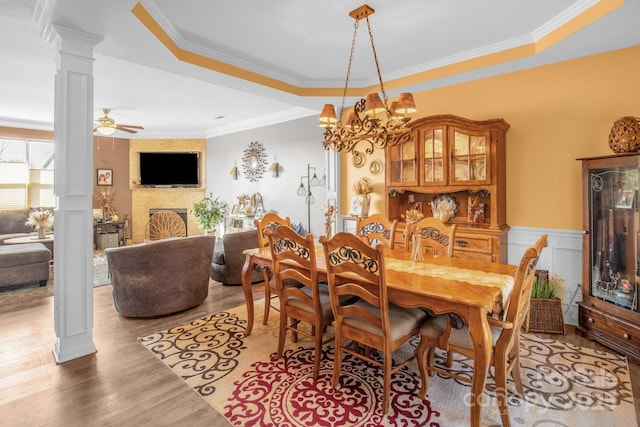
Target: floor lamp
(306, 191)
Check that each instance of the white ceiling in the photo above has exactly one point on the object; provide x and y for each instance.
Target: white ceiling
(304, 44)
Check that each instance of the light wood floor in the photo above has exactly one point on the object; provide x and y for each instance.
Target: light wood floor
(121, 385)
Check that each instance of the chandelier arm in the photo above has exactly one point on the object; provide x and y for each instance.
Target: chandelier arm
(375, 58)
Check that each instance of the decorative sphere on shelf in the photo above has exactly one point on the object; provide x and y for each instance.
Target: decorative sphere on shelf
(625, 135)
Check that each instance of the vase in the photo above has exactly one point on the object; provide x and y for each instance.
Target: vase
(42, 233)
(360, 205)
(625, 135)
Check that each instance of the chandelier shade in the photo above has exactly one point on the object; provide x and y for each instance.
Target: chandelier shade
(371, 123)
(405, 104)
(373, 104)
(328, 116)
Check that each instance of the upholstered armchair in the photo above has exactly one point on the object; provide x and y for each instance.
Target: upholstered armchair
(227, 263)
(162, 277)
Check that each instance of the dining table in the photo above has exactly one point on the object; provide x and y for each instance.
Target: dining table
(472, 289)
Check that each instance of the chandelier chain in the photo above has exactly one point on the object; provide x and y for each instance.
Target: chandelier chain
(353, 47)
(362, 127)
(375, 58)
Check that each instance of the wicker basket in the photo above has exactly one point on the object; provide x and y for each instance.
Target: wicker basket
(545, 316)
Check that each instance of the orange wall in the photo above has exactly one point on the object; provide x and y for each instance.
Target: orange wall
(558, 113)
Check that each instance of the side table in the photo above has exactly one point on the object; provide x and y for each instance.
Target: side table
(109, 228)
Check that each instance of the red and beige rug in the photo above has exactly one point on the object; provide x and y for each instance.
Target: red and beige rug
(243, 379)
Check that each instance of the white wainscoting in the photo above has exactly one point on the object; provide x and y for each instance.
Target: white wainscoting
(562, 257)
(346, 223)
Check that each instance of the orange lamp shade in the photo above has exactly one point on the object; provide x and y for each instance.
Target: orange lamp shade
(328, 116)
(392, 109)
(373, 104)
(405, 104)
(351, 117)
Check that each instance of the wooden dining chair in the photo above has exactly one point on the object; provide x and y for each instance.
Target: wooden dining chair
(377, 228)
(163, 225)
(268, 222)
(505, 359)
(435, 238)
(356, 269)
(294, 263)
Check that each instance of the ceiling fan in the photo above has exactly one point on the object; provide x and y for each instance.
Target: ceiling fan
(106, 125)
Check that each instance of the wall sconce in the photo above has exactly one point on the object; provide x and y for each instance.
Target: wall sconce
(306, 191)
(234, 171)
(274, 167)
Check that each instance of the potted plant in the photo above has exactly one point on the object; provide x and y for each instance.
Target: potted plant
(209, 212)
(545, 310)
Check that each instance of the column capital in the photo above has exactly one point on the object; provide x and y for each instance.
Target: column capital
(72, 41)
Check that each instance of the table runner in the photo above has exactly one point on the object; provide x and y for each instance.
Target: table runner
(504, 282)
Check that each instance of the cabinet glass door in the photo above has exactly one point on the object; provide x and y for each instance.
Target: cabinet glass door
(402, 158)
(613, 205)
(433, 156)
(470, 157)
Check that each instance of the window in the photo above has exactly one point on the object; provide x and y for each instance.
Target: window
(26, 173)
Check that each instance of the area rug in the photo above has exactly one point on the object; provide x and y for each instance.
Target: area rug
(244, 380)
(25, 292)
(100, 269)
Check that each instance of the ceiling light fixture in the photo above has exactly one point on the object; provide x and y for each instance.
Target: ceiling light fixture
(105, 130)
(367, 122)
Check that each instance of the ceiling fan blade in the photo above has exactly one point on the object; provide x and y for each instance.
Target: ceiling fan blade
(125, 129)
(131, 126)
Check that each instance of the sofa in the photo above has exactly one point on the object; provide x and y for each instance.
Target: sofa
(22, 263)
(228, 260)
(160, 277)
(12, 223)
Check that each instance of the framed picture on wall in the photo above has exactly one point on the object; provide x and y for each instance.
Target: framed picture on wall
(105, 176)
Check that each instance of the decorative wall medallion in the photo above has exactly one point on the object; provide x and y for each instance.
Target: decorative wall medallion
(254, 161)
(376, 167)
(359, 159)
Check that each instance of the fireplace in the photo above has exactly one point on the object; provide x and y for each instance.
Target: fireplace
(182, 212)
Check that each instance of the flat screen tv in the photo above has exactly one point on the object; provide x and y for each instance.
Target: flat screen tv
(170, 169)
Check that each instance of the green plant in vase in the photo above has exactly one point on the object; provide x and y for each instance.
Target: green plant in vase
(209, 212)
(545, 309)
(546, 288)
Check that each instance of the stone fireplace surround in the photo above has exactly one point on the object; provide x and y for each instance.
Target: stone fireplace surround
(145, 199)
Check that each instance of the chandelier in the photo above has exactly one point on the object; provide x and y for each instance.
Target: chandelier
(372, 121)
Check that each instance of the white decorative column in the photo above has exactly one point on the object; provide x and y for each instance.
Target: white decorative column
(73, 188)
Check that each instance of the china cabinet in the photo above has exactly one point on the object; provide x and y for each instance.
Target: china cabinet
(609, 311)
(454, 160)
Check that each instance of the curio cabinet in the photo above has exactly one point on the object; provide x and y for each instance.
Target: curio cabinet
(609, 310)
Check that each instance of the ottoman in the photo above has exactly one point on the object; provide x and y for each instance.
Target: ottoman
(24, 263)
